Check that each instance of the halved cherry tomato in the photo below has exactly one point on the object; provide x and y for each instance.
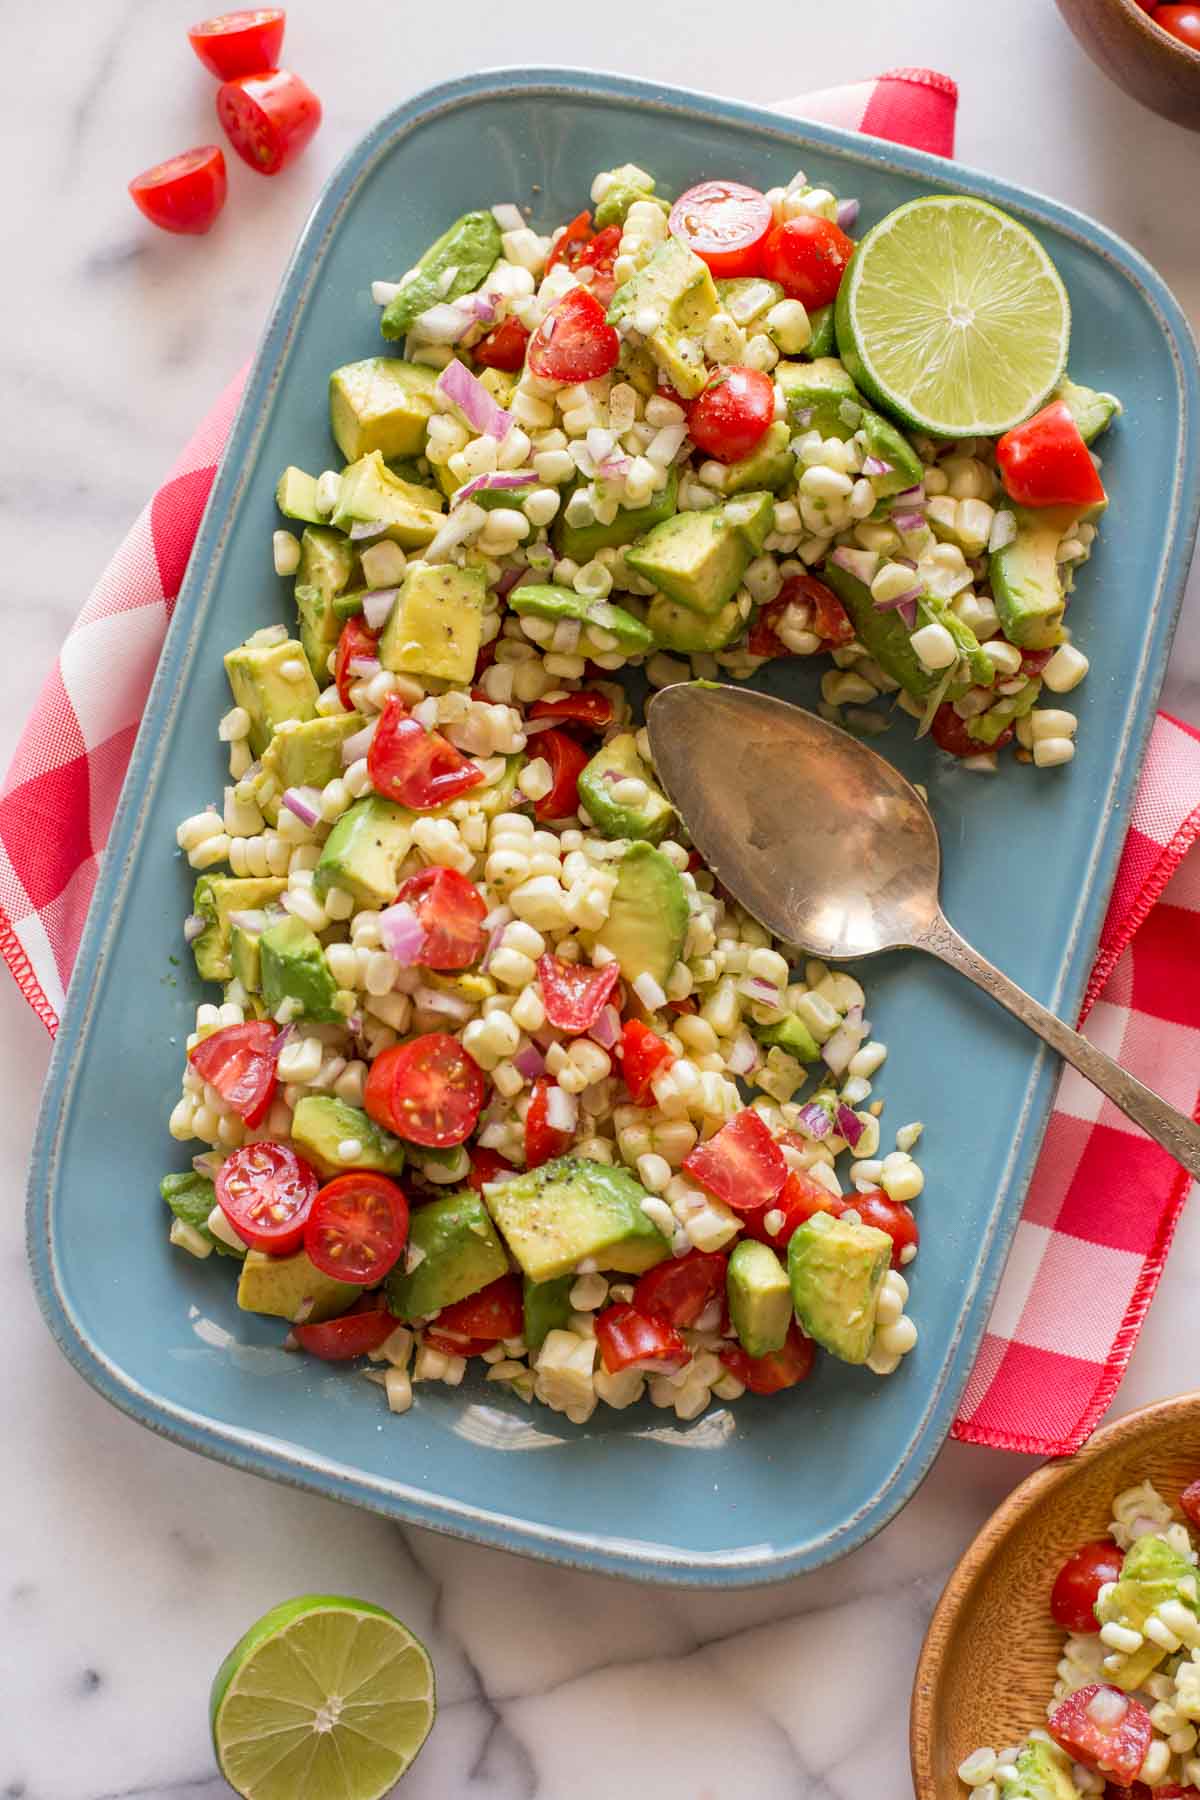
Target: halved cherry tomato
(185, 193)
(239, 43)
(642, 1055)
(732, 413)
(354, 1334)
(725, 223)
(356, 641)
(428, 1091)
(800, 1197)
(574, 342)
(543, 1141)
(571, 239)
(680, 1289)
(268, 117)
(1118, 1749)
(568, 759)
(950, 733)
(874, 1208)
(601, 254)
(503, 347)
(575, 994)
(451, 911)
(1034, 661)
(496, 1311)
(239, 1061)
(265, 1191)
(415, 767)
(1183, 22)
(1189, 1500)
(486, 1166)
(629, 1339)
(1078, 1583)
(807, 256)
(588, 707)
(780, 1369)
(829, 619)
(741, 1164)
(357, 1227)
(1045, 462)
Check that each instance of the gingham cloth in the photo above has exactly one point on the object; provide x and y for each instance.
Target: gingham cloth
(1103, 1202)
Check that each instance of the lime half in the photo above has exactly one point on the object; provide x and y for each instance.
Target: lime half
(323, 1699)
(952, 316)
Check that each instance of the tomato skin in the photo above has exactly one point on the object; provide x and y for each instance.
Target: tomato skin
(1045, 462)
(574, 342)
(741, 1164)
(1183, 22)
(771, 1374)
(575, 994)
(260, 1181)
(357, 1227)
(892, 1216)
(679, 1290)
(830, 620)
(415, 767)
(732, 413)
(568, 759)
(487, 1166)
(503, 347)
(542, 1141)
(239, 43)
(1117, 1750)
(574, 235)
(725, 223)
(239, 1061)
(601, 254)
(807, 256)
(268, 117)
(588, 707)
(1078, 1582)
(1189, 1500)
(340, 1340)
(355, 640)
(451, 911)
(496, 1311)
(629, 1339)
(950, 733)
(642, 1055)
(800, 1197)
(428, 1091)
(184, 194)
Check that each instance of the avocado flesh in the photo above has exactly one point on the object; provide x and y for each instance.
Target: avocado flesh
(988, 727)
(244, 955)
(760, 1297)
(790, 1034)
(1026, 584)
(886, 636)
(699, 558)
(1041, 1775)
(460, 1253)
(837, 1269)
(554, 1217)
(676, 284)
(465, 253)
(1151, 1573)
(191, 1197)
(543, 600)
(435, 626)
(371, 495)
(310, 755)
(326, 563)
(291, 1287)
(581, 542)
(1091, 410)
(381, 403)
(618, 760)
(274, 683)
(292, 966)
(628, 184)
(296, 496)
(769, 465)
(647, 915)
(821, 343)
(677, 627)
(321, 1123)
(815, 392)
(364, 851)
(547, 1308)
(214, 898)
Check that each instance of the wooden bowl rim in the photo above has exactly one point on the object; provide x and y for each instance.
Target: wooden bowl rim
(1157, 37)
(1031, 1493)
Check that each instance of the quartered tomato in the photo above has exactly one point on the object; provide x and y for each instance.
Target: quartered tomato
(642, 1055)
(503, 347)
(950, 733)
(828, 619)
(239, 43)
(1078, 1583)
(680, 1289)
(496, 1311)
(1189, 1500)
(574, 235)
(543, 1141)
(726, 224)
(357, 1227)
(807, 256)
(732, 413)
(185, 193)
(265, 1191)
(354, 1334)
(415, 767)
(356, 643)
(268, 117)
(428, 1091)
(799, 1198)
(575, 994)
(629, 1339)
(1045, 462)
(451, 911)
(239, 1061)
(486, 1166)
(892, 1216)
(771, 1374)
(588, 707)
(742, 1164)
(1117, 1747)
(574, 342)
(568, 759)
(600, 254)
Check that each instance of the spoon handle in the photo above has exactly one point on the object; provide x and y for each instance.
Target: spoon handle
(1177, 1134)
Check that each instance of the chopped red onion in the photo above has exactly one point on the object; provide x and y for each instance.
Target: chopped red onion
(847, 214)
(1004, 530)
(377, 603)
(207, 1164)
(908, 612)
(252, 921)
(875, 465)
(906, 562)
(529, 1063)
(305, 803)
(909, 520)
(403, 934)
(283, 1036)
(495, 478)
(815, 1121)
(849, 1125)
(445, 322)
(909, 597)
(483, 306)
(562, 1109)
(357, 746)
(493, 943)
(464, 390)
(804, 417)
(862, 564)
(362, 529)
(363, 667)
(509, 580)
(449, 1006)
(744, 1057)
(613, 468)
(193, 927)
(607, 1030)
(764, 993)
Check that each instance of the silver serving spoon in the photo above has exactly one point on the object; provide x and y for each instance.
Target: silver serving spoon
(754, 779)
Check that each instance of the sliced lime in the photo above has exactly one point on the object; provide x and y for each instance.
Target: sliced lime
(323, 1699)
(952, 316)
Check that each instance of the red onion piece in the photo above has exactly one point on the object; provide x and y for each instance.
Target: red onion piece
(252, 921)
(909, 597)
(562, 1109)
(612, 468)
(357, 746)
(814, 1120)
(847, 214)
(448, 1006)
(193, 926)
(849, 1125)
(875, 465)
(908, 612)
(804, 417)
(862, 564)
(529, 1063)
(377, 603)
(304, 803)
(493, 943)
(607, 1030)
(906, 562)
(909, 520)
(403, 934)
(362, 529)
(744, 1057)
(464, 390)
(764, 993)
(283, 1036)
(496, 479)
(206, 1164)
(911, 496)
(446, 322)
(363, 667)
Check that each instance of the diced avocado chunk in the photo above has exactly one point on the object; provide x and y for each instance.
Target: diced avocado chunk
(836, 1270)
(547, 1308)
(452, 1251)
(543, 600)
(293, 967)
(791, 1034)
(581, 542)
(889, 640)
(244, 955)
(381, 404)
(214, 898)
(888, 443)
(1026, 584)
(816, 393)
(310, 755)
(677, 287)
(1043, 1773)
(618, 761)
(760, 1297)
(988, 726)
(364, 851)
(769, 465)
(699, 558)
(452, 266)
(555, 1217)
(436, 624)
(273, 682)
(191, 1197)
(647, 915)
(321, 1124)
(371, 494)
(1153, 1572)
(291, 1287)
(677, 627)
(747, 297)
(326, 563)
(628, 183)
(1092, 411)
(296, 496)
(822, 341)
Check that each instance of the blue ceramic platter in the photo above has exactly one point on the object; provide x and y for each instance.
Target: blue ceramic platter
(766, 1488)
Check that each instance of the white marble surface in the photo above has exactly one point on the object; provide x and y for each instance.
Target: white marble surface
(127, 1567)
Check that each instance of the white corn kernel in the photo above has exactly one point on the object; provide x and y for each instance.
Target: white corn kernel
(1065, 670)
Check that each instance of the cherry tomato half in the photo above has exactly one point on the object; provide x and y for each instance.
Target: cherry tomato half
(1117, 1748)
(574, 342)
(239, 1061)
(679, 1290)
(600, 254)
(725, 223)
(185, 193)
(807, 256)
(268, 117)
(357, 1227)
(265, 1191)
(496, 1311)
(574, 235)
(568, 759)
(741, 1164)
(1078, 1582)
(629, 1339)
(588, 707)
(874, 1208)
(1183, 22)
(503, 347)
(575, 994)
(427, 1091)
(450, 911)
(239, 43)
(730, 417)
(950, 733)
(415, 767)
(800, 1197)
(543, 1141)
(354, 1334)
(1045, 462)
(771, 1374)
(642, 1055)
(828, 618)
(356, 642)
(1189, 1500)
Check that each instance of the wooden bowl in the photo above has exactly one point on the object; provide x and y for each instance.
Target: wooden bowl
(988, 1662)
(1139, 56)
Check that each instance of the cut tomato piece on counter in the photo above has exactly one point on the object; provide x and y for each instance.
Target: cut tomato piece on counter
(1045, 462)
(450, 911)
(1103, 1729)
(771, 1374)
(799, 1198)
(568, 759)
(268, 117)
(239, 43)
(875, 1208)
(496, 1311)
(575, 994)
(629, 1339)
(265, 1191)
(679, 1290)
(357, 643)
(732, 414)
(574, 342)
(357, 1227)
(543, 1141)
(184, 194)
(428, 1091)
(415, 767)
(726, 224)
(595, 710)
(503, 347)
(239, 1061)
(340, 1340)
(1078, 1583)
(807, 256)
(642, 1055)
(742, 1164)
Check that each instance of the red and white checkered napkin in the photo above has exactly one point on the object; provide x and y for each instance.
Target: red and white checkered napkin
(1103, 1202)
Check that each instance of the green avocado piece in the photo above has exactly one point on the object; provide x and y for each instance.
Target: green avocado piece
(822, 342)
(816, 393)
(459, 1254)
(1092, 411)
(1152, 1572)
(214, 898)
(452, 266)
(436, 624)
(273, 682)
(616, 761)
(760, 1297)
(581, 542)
(790, 1034)
(547, 1308)
(647, 915)
(310, 755)
(543, 600)
(326, 564)
(371, 494)
(1043, 1773)
(321, 1123)
(364, 851)
(987, 727)
(381, 403)
(293, 967)
(191, 1197)
(1026, 584)
(888, 443)
(291, 1287)
(769, 465)
(699, 558)
(629, 183)
(296, 496)
(244, 955)
(677, 627)
(885, 634)
(747, 297)
(347, 606)
(676, 286)
(836, 1269)
(555, 1217)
